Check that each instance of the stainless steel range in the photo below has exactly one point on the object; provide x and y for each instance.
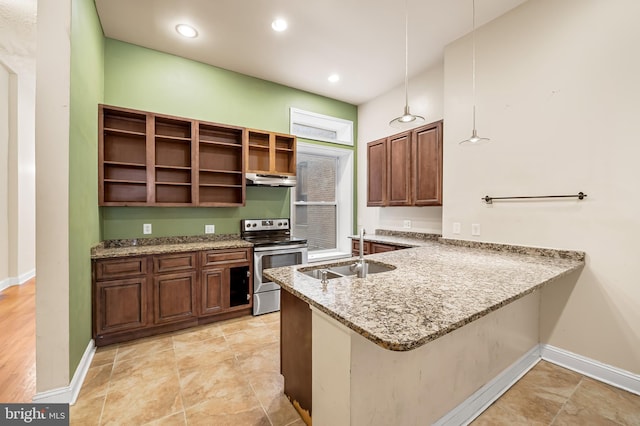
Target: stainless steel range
(273, 246)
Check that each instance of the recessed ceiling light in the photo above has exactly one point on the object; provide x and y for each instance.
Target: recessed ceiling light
(334, 78)
(186, 30)
(279, 25)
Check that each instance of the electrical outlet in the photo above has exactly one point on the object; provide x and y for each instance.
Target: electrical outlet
(456, 227)
(407, 224)
(475, 229)
(146, 228)
(209, 229)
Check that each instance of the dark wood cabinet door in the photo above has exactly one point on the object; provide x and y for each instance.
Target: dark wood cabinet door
(381, 248)
(355, 247)
(212, 290)
(427, 165)
(377, 173)
(399, 170)
(121, 305)
(295, 349)
(174, 297)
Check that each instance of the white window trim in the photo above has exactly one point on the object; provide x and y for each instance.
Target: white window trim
(344, 199)
(342, 127)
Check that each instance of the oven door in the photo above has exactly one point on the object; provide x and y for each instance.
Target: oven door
(275, 258)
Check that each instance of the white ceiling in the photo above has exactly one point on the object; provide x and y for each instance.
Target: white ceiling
(361, 40)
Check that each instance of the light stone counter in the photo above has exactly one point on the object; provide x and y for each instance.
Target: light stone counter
(436, 287)
(163, 245)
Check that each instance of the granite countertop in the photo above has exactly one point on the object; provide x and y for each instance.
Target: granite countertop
(163, 245)
(399, 238)
(437, 287)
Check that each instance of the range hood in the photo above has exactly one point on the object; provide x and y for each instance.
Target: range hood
(269, 180)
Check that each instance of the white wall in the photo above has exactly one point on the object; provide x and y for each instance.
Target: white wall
(52, 224)
(425, 99)
(558, 94)
(4, 176)
(17, 52)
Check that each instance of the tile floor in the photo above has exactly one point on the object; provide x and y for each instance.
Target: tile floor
(228, 373)
(225, 373)
(552, 395)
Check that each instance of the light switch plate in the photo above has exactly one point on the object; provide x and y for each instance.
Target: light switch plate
(475, 229)
(456, 228)
(146, 228)
(209, 229)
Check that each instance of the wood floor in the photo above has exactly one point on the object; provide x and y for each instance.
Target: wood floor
(18, 343)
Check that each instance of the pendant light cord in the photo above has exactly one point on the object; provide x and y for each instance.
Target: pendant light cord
(473, 60)
(406, 55)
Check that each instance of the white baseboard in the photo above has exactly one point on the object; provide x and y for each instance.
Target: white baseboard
(589, 367)
(469, 409)
(11, 281)
(69, 394)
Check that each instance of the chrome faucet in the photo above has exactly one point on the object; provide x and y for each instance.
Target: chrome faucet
(361, 265)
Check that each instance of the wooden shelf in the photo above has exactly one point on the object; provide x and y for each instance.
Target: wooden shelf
(271, 153)
(141, 182)
(124, 132)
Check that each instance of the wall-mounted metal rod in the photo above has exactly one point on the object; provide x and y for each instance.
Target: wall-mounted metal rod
(489, 200)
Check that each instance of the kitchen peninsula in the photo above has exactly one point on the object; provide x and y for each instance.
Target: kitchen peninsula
(407, 346)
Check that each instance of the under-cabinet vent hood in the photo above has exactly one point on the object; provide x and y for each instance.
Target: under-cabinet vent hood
(270, 180)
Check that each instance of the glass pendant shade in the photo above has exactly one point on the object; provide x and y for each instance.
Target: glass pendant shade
(474, 139)
(407, 119)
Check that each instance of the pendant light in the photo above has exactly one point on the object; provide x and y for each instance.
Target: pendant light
(407, 119)
(474, 139)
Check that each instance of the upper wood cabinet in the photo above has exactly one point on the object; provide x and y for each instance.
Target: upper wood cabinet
(406, 169)
(270, 153)
(377, 173)
(160, 160)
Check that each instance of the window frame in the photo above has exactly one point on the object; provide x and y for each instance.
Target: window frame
(343, 201)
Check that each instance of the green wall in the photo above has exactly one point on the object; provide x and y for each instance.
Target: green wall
(87, 67)
(140, 78)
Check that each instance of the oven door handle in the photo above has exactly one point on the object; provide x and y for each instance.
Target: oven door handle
(282, 249)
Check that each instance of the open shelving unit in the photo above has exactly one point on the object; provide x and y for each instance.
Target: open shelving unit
(122, 154)
(148, 159)
(271, 153)
(220, 165)
(172, 161)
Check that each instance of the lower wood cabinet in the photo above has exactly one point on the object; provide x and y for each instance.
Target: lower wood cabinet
(145, 295)
(370, 247)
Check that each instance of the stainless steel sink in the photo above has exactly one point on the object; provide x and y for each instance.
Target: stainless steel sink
(346, 270)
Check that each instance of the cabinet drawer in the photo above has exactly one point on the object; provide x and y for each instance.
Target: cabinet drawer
(217, 257)
(174, 262)
(120, 268)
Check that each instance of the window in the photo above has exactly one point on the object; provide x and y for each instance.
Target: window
(322, 200)
(311, 125)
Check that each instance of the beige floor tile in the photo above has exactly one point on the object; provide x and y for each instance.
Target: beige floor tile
(96, 381)
(86, 411)
(204, 354)
(251, 339)
(203, 416)
(298, 422)
(143, 368)
(266, 359)
(221, 382)
(143, 402)
(281, 412)
(197, 334)
(268, 386)
(148, 347)
(600, 404)
(177, 419)
(104, 355)
(241, 324)
(271, 318)
(535, 399)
